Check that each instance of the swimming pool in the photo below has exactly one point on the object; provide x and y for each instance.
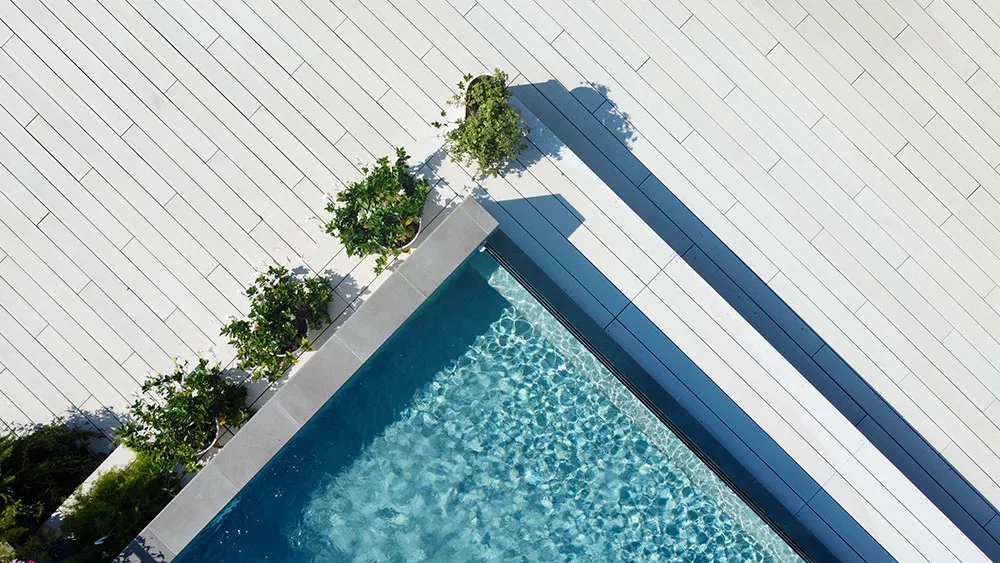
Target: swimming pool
(483, 430)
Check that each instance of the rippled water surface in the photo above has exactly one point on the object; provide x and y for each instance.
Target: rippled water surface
(516, 446)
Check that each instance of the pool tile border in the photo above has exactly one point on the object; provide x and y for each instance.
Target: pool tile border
(457, 236)
(335, 363)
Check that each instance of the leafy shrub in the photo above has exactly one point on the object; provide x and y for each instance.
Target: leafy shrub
(45, 546)
(119, 505)
(37, 472)
(492, 133)
(184, 423)
(282, 308)
(380, 213)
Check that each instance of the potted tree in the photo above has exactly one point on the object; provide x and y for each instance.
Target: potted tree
(178, 415)
(379, 214)
(491, 133)
(283, 307)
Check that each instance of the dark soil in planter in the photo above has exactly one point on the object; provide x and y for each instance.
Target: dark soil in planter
(302, 328)
(471, 108)
(210, 431)
(411, 233)
(412, 229)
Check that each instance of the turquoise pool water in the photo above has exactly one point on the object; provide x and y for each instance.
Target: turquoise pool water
(484, 431)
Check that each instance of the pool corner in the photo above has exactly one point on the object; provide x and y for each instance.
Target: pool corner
(450, 242)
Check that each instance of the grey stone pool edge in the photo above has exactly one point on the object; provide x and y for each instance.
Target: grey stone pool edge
(458, 235)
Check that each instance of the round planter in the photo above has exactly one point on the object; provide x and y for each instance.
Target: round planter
(412, 240)
(469, 110)
(302, 329)
(215, 440)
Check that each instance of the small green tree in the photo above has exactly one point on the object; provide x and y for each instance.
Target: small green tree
(38, 470)
(282, 308)
(380, 213)
(175, 418)
(115, 509)
(492, 133)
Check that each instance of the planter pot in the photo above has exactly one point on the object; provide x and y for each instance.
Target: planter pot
(301, 329)
(470, 109)
(218, 432)
(412, 240)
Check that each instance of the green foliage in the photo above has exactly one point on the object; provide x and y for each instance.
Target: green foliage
(282, 307)
(492, 133)
(119, 505)
(179, 420)
(43, 547)
(37, 472)
(380, 213)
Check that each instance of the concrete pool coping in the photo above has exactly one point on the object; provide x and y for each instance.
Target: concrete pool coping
(457, 236)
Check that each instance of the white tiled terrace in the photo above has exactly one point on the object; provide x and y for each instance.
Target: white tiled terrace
(154, 152)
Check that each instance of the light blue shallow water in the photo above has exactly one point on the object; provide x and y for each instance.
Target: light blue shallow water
(485, 432)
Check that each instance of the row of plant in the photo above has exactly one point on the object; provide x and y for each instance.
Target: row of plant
(175, 419)
(376, 215)
(380, 214)
(179, 415)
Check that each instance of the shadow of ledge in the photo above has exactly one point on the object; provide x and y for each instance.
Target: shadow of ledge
(595, 129)
(145, 548)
